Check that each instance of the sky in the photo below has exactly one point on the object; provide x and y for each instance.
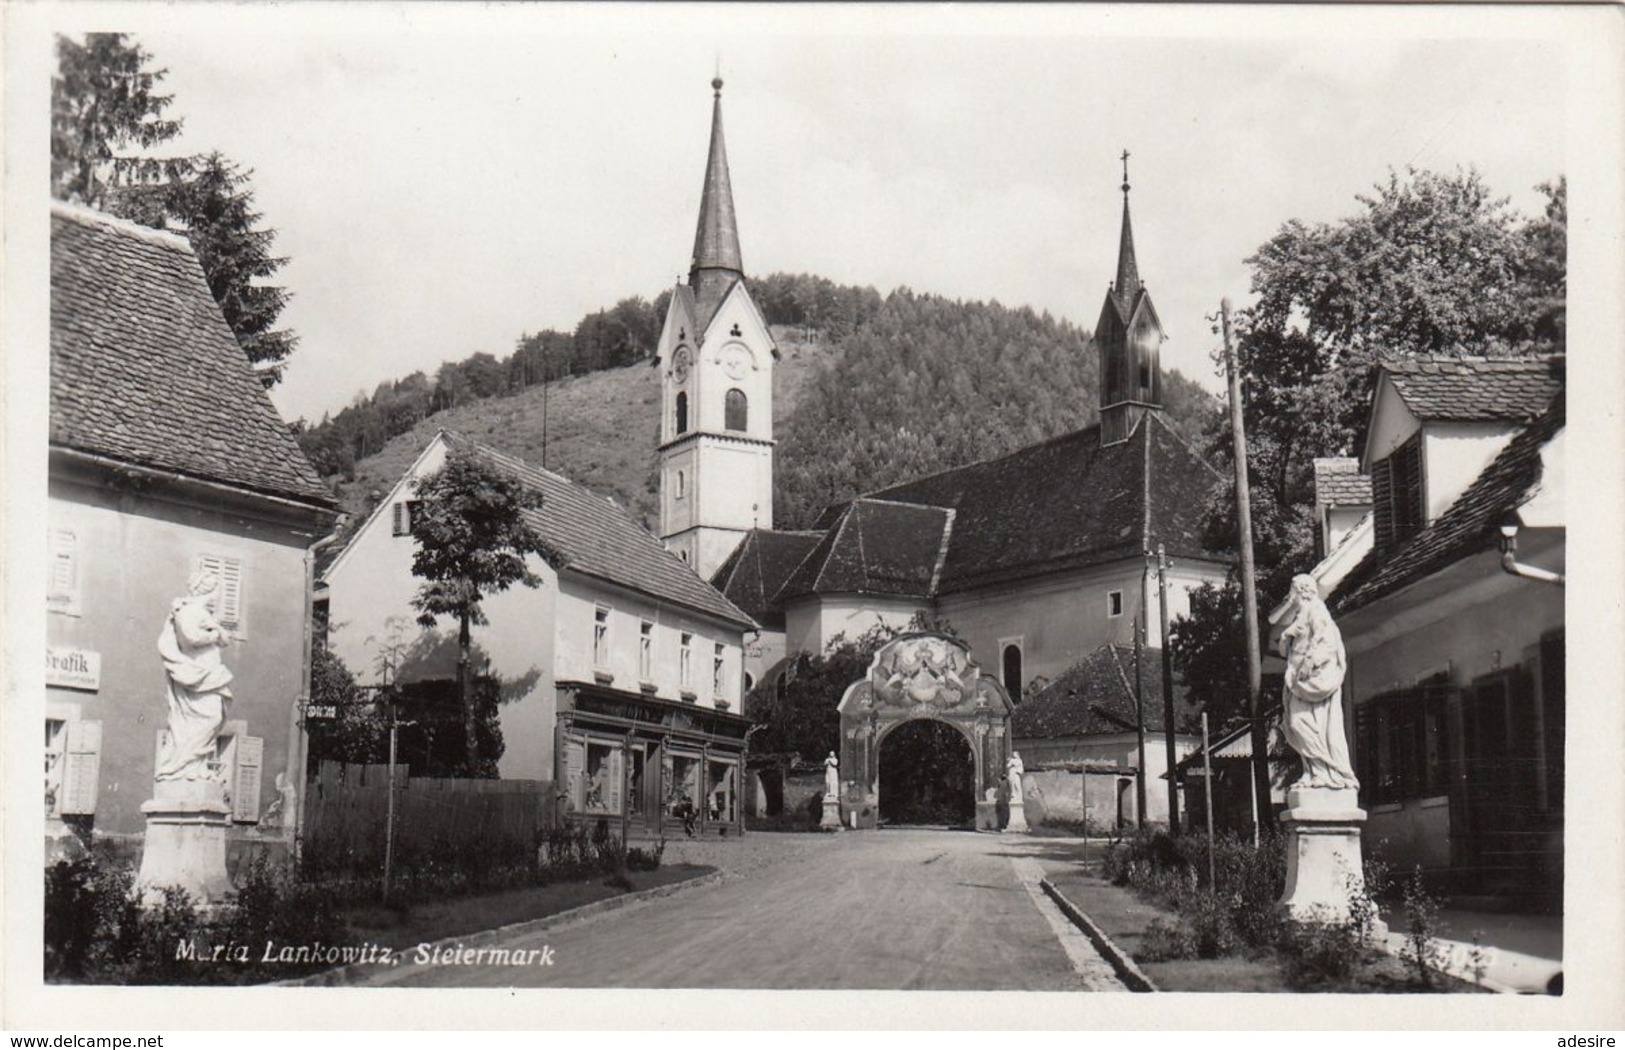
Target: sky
(443, 181)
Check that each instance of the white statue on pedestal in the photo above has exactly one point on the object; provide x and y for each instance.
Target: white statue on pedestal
(832, 775)
(1312, 701)
(198, 682)
(1013, 769)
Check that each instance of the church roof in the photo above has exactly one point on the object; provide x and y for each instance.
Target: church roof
(717, 264)
(598, 538)
(144, 368)
(1069, 503)
(877, 547)
(1096, 696)
(758, 567)
(1468, 526)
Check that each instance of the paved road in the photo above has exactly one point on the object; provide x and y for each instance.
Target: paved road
(892, 909)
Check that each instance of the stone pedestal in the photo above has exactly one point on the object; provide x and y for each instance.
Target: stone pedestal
(1323, 862)
(187, 822)
(832, 813)
(1018, 816)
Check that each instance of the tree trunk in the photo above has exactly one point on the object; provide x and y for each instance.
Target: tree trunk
(465, 693)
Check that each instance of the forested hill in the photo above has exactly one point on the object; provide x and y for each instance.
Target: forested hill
(869, 391)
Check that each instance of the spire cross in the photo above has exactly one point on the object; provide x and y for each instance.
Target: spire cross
(1125, 171)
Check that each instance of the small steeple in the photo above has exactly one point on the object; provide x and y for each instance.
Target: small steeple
(716, 264)
(1128, 270)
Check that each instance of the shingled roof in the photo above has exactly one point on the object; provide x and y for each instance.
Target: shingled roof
(1475, 388)
(600, 539)
(878, 547)
(1339, 483)
(758, 567)
(145, 370)
(1096, 696)
(1069, 503)
(1469, 526)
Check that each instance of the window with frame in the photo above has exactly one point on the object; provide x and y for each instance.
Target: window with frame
(1012, 671)
(1114, 604)
(1400, 743)
(402, 516)
(646, 651)
(717, 661)
(600, 637)
(682, 413)
(1398, 511)
(228, 597)
(735, 411)
(62, 588)
(685, 661)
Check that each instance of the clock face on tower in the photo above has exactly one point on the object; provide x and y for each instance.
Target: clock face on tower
(736, 361)
(679, 365)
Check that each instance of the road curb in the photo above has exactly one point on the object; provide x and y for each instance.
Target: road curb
(1123, 963)
(342, 974)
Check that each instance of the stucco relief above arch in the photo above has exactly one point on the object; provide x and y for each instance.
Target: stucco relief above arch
(911, 677)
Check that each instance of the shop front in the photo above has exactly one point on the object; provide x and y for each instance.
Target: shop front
(647, 766)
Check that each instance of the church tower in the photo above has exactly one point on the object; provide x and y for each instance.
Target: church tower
(716, 358)
(1128, 338)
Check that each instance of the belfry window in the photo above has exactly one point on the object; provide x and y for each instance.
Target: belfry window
(1012, 672)
(682, 413)
(734, 410)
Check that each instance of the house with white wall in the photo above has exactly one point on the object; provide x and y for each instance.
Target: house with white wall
(620, 675)
(166, 458)
(1454, 625)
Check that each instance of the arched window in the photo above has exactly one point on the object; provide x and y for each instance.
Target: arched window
(1012, 672)
(734, 412)
(682, 413)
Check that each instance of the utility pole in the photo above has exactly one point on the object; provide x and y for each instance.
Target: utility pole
(1139, 710)
(1207, 787)
(1249, 593)
(1167, 692)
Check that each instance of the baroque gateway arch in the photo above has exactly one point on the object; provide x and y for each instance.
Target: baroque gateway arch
(911, 677)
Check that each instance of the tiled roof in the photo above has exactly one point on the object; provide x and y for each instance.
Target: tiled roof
(877, 547)
(1470, 524)
(598, 538)
(145, 370)
(758, 567)
(1069, 503)
(1461, 389)
(1338, 482)
(1096, 696)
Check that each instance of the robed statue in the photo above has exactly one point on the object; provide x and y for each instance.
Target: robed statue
(1013, 769)
(199, 684)
(832, 775)
(1312, 701)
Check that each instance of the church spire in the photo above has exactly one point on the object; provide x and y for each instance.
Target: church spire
(716, 264)
(1128, 269)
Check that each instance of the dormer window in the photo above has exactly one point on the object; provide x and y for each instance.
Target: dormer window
(1397, 494)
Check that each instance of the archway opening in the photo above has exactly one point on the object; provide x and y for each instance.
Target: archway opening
(927, 775)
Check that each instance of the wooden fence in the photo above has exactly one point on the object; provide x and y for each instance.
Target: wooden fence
(436, 820)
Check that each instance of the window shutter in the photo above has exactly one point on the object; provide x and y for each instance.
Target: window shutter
(1409, 513)
(81, 771)
(575, 761)
(229, 604)
(616, 770)
(245, 780)
(1382, 495)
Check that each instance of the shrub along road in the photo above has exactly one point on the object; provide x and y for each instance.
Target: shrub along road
(892, 909)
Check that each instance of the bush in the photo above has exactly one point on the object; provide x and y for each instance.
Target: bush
(1321, 954)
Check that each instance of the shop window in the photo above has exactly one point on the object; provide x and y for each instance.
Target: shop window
(634, 781)
(1400, 743)
(228, 597)
(62, 589)
(682, 785)
(594, 771)
(56, 747)
(646, 651)
(600, 637)
(734, 410)
(720, 791)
